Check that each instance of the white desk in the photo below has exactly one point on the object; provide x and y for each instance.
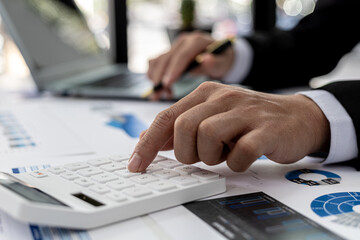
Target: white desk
(85, 119)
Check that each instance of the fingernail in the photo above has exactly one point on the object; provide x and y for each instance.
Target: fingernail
(134, 163)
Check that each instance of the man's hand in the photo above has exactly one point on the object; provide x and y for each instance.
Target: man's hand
(168, 67)
(217, 123)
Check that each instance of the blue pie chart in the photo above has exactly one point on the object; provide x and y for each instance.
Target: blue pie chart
(329, 177)
(335, 203)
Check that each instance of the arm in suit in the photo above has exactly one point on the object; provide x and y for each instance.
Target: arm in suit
(347, 93)
(312, 48)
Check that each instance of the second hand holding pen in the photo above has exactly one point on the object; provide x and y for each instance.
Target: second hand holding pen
(215, 48)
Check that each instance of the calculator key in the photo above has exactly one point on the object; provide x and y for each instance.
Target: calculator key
(184, 180)
(56, 170)
(76, 166)
(153, 168)
(205, 175)
(159, 158)
(120, 184)
(38, 174)
(120, 158)
(187, 169)
(144, 179)
(84, 182)
(111, 167)
(99, 189)
(104, 178)
(69, 175)
(166, 174)
(98, 161)
(126, 173)
(161, 186)
(169, 163)
(88, 172)
(117, 197)
(137, 192)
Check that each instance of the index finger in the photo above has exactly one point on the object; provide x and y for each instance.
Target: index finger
(160, 132)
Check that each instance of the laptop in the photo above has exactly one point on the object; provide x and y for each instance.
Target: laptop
(64, 56)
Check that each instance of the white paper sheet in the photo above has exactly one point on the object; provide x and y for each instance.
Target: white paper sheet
(85, 121)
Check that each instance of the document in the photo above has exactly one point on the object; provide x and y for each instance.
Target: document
(328, 195)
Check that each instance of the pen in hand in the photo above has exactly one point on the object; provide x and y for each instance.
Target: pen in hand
(215, 48)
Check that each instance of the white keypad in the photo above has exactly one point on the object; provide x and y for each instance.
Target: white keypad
(153, 168)
(56, 170)
(99, 189)
(205, 175)
(187, 169)
(166, 174)
(38, 174)
(107, 182)
(76, 166)
(119, 158)
(120, 184)
(169, 163)
(98, 161)
(144, 179)
(69, 175)
(162, 186)
(104, 178)
(126, 173)
(84, 182)
(88, 172)
(184, 180)
(111, 167)
(137, 192)
(117, 197)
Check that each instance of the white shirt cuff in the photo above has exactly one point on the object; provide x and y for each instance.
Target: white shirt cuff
(242, 62)
(343, 143)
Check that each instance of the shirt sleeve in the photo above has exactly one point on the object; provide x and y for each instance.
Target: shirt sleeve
(343, 143)
(242, 62)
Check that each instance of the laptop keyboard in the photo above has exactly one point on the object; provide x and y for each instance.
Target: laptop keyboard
(124, 80)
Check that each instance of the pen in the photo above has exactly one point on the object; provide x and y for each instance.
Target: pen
(215, 48)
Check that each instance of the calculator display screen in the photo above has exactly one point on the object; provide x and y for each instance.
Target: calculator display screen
(26, 191)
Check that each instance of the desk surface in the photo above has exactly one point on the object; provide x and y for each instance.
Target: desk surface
(86, 121)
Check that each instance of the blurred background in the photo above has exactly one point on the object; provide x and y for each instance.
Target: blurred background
(152, 25)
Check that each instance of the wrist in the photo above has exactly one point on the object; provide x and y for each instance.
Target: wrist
(317, 123)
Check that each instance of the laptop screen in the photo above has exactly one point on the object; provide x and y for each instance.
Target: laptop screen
(53, 37)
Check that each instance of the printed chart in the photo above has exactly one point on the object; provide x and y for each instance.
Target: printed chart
(298, 176)
(345, 206)
(257, 216)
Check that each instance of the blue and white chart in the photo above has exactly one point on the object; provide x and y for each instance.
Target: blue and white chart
(298, 176)
(344, 206)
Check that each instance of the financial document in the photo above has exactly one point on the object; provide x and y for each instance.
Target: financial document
(69, 130)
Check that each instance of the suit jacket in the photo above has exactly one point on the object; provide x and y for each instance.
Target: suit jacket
(348, 94)
(312, 48)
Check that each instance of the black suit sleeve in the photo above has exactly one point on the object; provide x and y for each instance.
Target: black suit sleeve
(348, 94)
(312, 48)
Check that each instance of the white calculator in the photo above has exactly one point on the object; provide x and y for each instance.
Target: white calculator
(101, 191)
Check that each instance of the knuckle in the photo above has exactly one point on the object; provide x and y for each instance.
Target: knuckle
(208, 129)
(248, 148)
(184, 124)
(206, 86)
(230, 94)
(164, 118)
